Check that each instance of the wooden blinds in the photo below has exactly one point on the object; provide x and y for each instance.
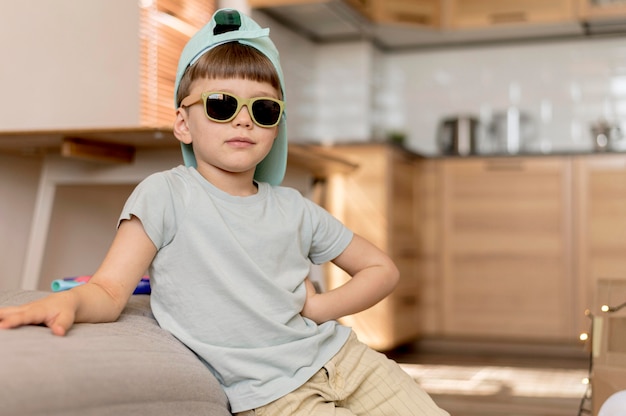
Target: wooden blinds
(165, 28)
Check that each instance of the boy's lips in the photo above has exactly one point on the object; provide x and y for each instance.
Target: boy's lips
(240, 141)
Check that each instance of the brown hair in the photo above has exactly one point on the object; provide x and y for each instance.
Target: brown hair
(230, 60)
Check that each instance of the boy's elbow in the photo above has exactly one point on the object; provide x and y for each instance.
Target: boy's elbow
(393, 275)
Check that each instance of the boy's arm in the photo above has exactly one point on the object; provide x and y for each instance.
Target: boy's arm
(374, 276)
(103, 298)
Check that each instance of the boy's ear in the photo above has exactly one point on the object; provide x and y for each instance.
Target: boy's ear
(181, 128)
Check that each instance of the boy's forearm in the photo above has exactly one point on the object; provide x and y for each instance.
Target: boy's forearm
(60, 310)
(363, 291)
(103, 298)
(94, 304)
(374, 276)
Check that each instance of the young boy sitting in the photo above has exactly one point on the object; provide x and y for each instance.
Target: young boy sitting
(229, 251)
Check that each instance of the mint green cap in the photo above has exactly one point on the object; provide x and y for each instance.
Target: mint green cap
(230, 25)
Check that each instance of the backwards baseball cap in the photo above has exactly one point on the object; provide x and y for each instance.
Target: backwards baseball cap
(229, 25)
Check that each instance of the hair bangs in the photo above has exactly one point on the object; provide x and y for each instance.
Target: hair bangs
(230, 60)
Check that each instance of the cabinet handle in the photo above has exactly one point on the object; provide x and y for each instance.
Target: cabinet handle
(419, 19)
(407, 300)
(405, 252)
(504, 165)
(508, 17)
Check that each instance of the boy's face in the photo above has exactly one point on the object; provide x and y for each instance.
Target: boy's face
(233, 147)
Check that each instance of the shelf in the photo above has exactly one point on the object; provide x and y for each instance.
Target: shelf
(41, 142)
(316, 159)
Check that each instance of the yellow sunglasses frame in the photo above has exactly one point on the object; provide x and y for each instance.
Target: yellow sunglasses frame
(248, 102)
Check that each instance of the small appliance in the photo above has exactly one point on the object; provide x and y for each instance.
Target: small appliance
(458, 135)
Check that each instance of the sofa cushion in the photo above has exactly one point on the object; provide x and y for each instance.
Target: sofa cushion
(129, 367)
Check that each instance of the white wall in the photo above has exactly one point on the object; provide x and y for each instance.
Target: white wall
(69, 63)
(329, 88)
(578, 81)
(82, 228)
(18, 182)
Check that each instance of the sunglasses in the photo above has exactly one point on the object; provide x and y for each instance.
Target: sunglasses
(222, 107)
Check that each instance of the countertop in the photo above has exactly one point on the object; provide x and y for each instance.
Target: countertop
(424, 155)
(319, 159)
(524, 154)
(119, 145)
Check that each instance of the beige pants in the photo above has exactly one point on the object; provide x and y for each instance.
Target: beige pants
(356, 381)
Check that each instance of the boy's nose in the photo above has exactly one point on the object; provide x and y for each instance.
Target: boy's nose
(243, 117)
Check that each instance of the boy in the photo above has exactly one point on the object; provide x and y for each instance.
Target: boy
(228, 251)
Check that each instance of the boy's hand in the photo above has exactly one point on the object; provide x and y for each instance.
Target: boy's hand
(374, 276)
(56, 311)
(308, 308)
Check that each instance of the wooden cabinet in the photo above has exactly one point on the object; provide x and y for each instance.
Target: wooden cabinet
(457, 14)
(524, 241)
(273, 3)
(416, 12)
(377, 201)
(428, 244)
(488, 13)
(506, 248)
(392, 24)
(601, 10)
(600, 201)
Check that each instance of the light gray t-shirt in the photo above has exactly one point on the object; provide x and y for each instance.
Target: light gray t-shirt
(228, 277)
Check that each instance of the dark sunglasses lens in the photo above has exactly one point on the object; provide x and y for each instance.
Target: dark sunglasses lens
(266, 112)
(221, 106)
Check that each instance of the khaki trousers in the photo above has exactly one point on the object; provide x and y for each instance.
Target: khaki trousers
(356, 381)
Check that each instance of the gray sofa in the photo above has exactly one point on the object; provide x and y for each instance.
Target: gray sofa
(129, 367)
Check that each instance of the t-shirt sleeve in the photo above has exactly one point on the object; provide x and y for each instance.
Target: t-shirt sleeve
(152, 203)
(329, 236)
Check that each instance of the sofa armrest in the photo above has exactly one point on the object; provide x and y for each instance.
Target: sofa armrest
(131, 366)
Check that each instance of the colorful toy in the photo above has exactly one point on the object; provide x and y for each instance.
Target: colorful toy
(58, 285)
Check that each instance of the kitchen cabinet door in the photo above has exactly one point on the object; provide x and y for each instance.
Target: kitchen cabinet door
(465, 14)
(377, 202)
(427, 244)
(602, 10)
(600, 200)
(506, 248)
(414, 12)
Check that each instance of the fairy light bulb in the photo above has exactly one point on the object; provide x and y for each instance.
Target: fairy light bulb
(584, 336)
(605, 308)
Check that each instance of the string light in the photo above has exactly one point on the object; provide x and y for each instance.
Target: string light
(582, 409)
(586, 399)
(607, 308)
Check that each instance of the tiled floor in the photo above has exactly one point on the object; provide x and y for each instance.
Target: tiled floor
(501, 380)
